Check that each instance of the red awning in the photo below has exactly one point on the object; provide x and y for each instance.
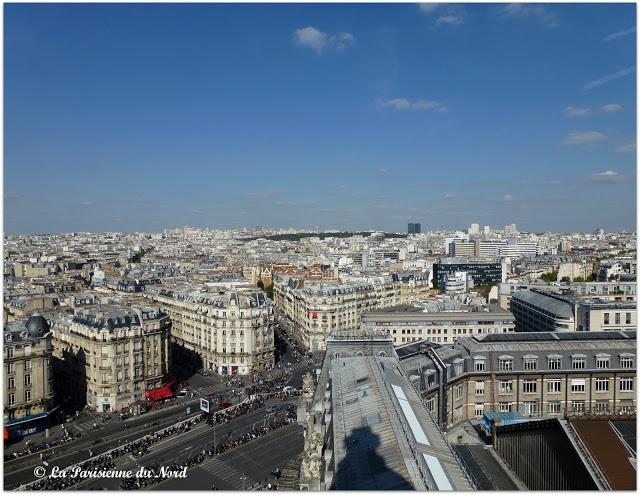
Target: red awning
(159, 393)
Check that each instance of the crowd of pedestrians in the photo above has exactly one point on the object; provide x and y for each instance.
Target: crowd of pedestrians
(220, 448)
(31, 448)
(139, 447)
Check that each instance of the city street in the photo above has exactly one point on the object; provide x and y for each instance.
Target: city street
(180, 448)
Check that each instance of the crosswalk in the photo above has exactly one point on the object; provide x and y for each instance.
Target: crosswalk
(81, 426)
(209, 389)
(228, 474)
(298, 365)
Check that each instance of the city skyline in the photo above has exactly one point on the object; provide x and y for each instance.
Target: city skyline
(348, 117)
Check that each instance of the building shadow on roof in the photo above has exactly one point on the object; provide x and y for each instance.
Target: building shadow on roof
(363, 468)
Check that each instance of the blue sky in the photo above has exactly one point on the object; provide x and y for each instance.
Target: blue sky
(144, 117)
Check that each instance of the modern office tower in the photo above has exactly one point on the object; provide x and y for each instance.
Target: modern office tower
(231, 332)
(474, 229)
(28, 377)
(486, 230)
(414, 228)
(462, 249)
(510, 229)
(107, 357)
(482, 272)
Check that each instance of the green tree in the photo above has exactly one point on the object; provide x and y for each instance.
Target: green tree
(549, 277)
(565, 279)
(260, 284)
(578, 279)
(269, 290)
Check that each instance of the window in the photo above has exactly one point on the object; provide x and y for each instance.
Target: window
(554, 363)
(529, 386)
(458, 367)
(577, 406)
(10, 352)
(626, 362)
(504, 406)
(479, 409)
(626, 384)
(628, 319)
(12, 367)
(530, 363)
(457, 392)
(553, 386)
(617, 318)
(578, 384)
(505, 364)
(530, 407)
(606, 318)
(505, 386)
(553, 407)
(479, 388)
(11, 383)
(578, 362)
(479, 364)
(27, 379)
(27, 395)
(602, 406)
(602, 362)
(602, 384)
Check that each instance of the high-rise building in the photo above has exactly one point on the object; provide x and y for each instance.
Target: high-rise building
(474, 229)
(482, 272)
(414, 228)
(486, 230)
(510, 229)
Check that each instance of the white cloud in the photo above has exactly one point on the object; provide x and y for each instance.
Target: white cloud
(611, 107)
(316, 40)
(554, 182)
(428, 8)
(87, 203)
(310, 37)
(405, 104)
(606, 177)
(383, 171)
(587, 137)
(341, 41)
(450, 19)
(618, 34)
(626, 148)
(507, 197)
(608, 78)
(523, 10)
(576, 111)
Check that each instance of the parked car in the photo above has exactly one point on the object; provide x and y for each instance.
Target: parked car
(224, 405)
(271, 409)
(182, 393)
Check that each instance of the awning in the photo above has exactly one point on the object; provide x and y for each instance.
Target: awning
(32, 417)
(159, 393)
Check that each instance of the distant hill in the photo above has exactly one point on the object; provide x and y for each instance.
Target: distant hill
(301, 235)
